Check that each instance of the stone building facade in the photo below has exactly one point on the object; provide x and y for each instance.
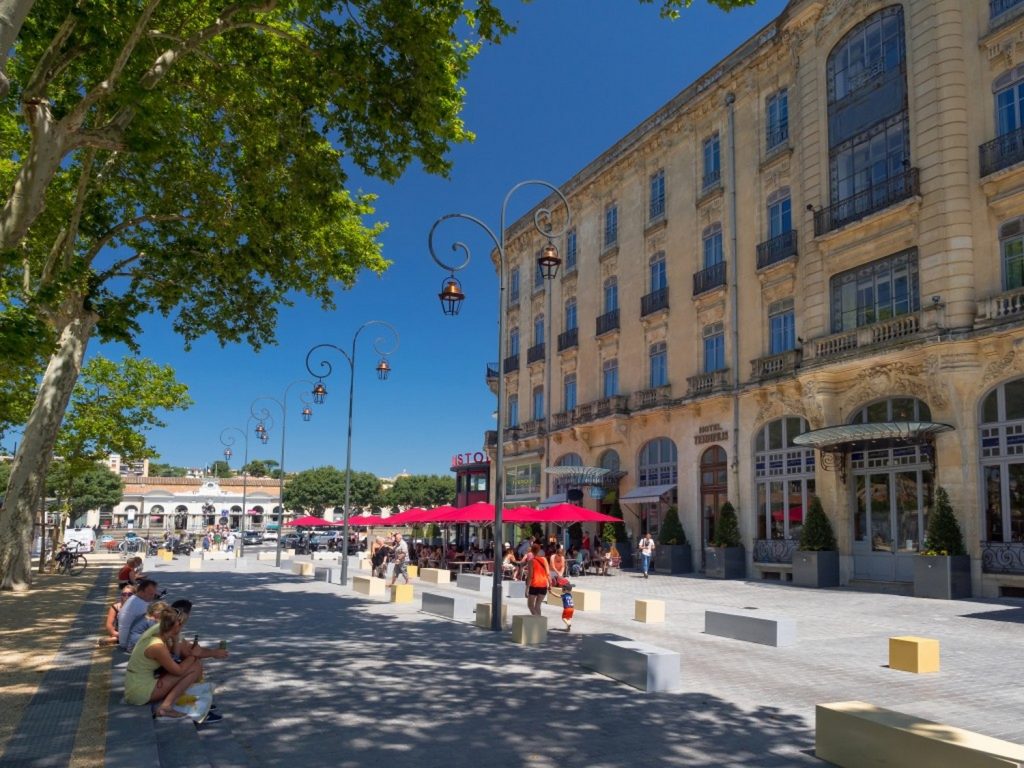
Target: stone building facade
(825, 230)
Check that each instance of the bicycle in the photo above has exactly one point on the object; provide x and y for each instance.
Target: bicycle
(67, 562)
(131, 546)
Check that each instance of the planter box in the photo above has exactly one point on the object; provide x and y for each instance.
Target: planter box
(942, 577)
(725, 563)
(673, 558)
(816, 569)
(626, 553)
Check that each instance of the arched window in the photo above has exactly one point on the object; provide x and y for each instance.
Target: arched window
(1002, 463)
(714, 489)
(784, 474)
(562, 482)
(658, 463)
(181, 517)
(609, 460)
(156, 516)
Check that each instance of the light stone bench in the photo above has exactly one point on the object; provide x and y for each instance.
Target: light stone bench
(853, 733)
(413, 571)
(633, 662)
(212, 555)
(266, 556)
(365, 564)
(514, 589)
(914, 654)
(436, 575)
(195, 563)
(333, 556)
(401, 593)
(751, 627)
(483, 615)
(369, 585)
(582, 599)
(330, 574)
(303, 568)
(475, 582)
(528, 629)
(450, 606)
(649, 611)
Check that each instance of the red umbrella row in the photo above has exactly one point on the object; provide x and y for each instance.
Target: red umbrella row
(483, 512)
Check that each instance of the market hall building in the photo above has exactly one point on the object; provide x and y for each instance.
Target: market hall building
(824, 232)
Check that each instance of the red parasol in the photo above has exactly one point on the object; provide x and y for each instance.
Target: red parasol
(311, 522)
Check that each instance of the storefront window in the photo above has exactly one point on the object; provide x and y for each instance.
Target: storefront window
(1002, 458)
(785, 478)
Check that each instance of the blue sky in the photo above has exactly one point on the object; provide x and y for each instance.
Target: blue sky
(577, 76)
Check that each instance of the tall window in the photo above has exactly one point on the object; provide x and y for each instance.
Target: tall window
(714, 348)
(712, 161)
(1002, 459)
(569, 392)
(611, 294)
(538, 329)
(611, 225)
(562, 483)
(610, 377)
(538, 403)
(777, 122)
(781, 326)
(785, 479)
(1010, 104)
(780, 213)
(1011, 244)
(868, 135)
(875, 292)
(570, 314)
(513, 411)
(712, 240)
(658, 463)
(656, 207)
(538, 275)
(659, 277)
(658, 359)
(513, 286)
(998, 7)
(513, 342)
(570, 250)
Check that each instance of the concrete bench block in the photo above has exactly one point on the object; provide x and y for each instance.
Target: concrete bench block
(528, 629)
(483, 615)
(303, 568)
(450, 606)
(582, 599)
(213, 555)
(474, 582)
(365, 564)
(752, 627)
(514, 589)
(332, 556)
(435, 575)
(165, 554)
(401, 593)
(635, 663)
(853, 733)
(330, 574)
(914, 654)
(261, 556)
(413, 570)
(369, 585)
(195, 563)
(649, 611)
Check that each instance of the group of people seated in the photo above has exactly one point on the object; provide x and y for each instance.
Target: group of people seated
(162, 664)
(577, 562)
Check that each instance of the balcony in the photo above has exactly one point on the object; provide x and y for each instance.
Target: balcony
(1002, 308)
(535, 354)
(774, 366)
(655, 301)
(1002, 557)
(492, 371)
(607, 322)
(876, 198)
(651, 398)
(707, 383)
(568, 339)
(1002, 152)
(997, 8)
(776, 138)
(708, 279)
(608, 406)
(511, 363)
(490, 438)
(774, 550)
(561, 420)
(710, 180)
(896, 329)
(530, 428)
(777, 249)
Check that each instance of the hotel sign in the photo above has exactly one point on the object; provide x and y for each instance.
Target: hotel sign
(710, 433)
(470, 457)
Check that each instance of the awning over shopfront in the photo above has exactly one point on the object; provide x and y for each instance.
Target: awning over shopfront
(645, 494)
(550, 501)
(903, 432)
(578, 475)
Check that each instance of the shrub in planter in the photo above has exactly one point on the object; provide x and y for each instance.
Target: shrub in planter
(943, 569)
(725, 558)
(673, 554)
(816, 562)
(621, 538)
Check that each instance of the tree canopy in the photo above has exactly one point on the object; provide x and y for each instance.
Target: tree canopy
(81, 489)
(421, 491)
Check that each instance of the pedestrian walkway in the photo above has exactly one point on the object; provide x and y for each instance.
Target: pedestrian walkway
(320, 676)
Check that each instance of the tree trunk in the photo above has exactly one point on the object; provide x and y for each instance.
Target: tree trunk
(26, 486)
(12, 15)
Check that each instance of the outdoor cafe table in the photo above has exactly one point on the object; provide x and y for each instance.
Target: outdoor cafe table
(461, 565)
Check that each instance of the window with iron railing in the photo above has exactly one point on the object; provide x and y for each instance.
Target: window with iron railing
(712, 162)
(611, 225)
(656, 207)
(777, 122)
(658, 365)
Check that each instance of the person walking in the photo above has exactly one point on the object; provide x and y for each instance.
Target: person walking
(646, 546)
(400, 559)
(538, 580)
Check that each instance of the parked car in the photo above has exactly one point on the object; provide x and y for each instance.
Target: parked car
(270, 535)
(252, 537)
(289, 540)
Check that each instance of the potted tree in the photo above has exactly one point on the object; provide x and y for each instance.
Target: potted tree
(725, 558)
(816, 561)
(943, 569)
(622, 543)
(672, 555)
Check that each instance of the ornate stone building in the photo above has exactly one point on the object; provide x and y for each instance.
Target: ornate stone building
(825, 231)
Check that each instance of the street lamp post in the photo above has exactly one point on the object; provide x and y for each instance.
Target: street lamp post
(451, 297)
(383, 347)
(227, 441)
(263, 415)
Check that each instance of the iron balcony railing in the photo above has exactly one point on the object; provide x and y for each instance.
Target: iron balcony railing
(774, 550)
(653, 302)
(609, 321)
(777, 249)
(1002, 557)
(492, 370)
(1002, 152)
(875, 198)
(709, 278)
(568, 339)
(511, 363)
(777, 137)
(535, 354)
(711, 179)
(999, 7)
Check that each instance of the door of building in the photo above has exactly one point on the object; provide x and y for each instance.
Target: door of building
(714, 490)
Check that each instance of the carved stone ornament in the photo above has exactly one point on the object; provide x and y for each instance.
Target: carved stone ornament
(997, 369)
(885, 380)
(772, 404)
(608, 269)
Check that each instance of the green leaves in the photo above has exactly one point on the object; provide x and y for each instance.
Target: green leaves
(425, 491)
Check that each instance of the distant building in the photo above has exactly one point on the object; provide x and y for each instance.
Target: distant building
(127, 468)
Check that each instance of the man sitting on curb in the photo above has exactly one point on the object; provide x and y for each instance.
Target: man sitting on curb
(131, 621)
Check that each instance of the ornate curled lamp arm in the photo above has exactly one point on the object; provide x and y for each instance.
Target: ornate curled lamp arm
(383, 345)
(324, 368)
(542, 217)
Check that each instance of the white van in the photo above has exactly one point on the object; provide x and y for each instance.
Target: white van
(85, 538)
